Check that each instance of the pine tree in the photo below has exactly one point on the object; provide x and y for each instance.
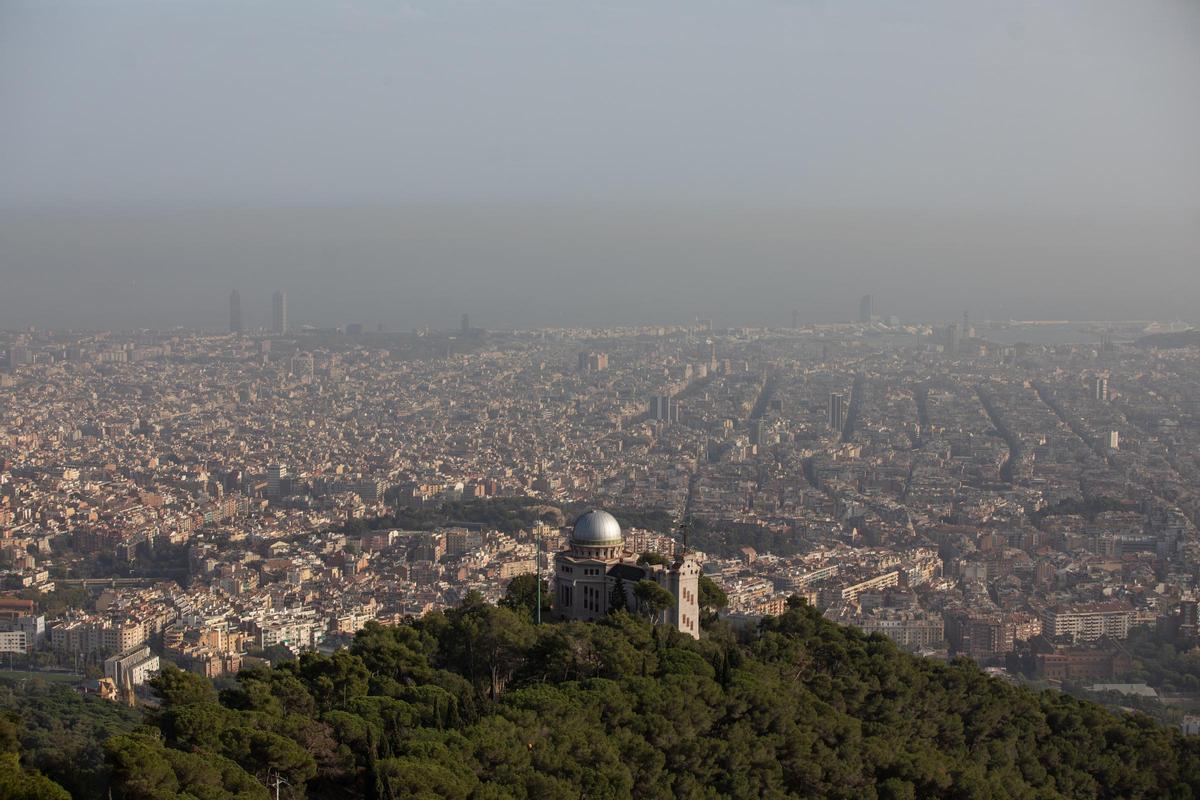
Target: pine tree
(616, 599)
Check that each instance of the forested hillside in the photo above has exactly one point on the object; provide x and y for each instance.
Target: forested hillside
(478, 703)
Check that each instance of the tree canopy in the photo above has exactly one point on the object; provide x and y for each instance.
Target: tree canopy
(521, 595)
(477, 702)
(652, 599)
(712, 598)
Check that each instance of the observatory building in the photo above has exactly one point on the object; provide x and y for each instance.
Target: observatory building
(596, 563)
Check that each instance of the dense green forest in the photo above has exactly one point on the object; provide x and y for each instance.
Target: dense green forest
(477, 702)
(1164, 662)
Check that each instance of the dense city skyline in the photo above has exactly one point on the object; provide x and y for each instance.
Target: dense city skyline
(966, 489)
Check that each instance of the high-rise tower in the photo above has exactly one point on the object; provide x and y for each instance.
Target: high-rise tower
(866, 308)
(837, 412)
(279, 320)
(235, 312)
(276, 479)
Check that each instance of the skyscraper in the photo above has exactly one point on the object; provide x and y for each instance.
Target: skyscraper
(276, 477)
(235, 312)
(466, 323)
(837, 412)
(663, 408)
(866, 308)
(758, 432)
(279, 320)
(1100, 388)
(591, 361)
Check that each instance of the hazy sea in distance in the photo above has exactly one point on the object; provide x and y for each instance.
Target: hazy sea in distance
(1061, 333)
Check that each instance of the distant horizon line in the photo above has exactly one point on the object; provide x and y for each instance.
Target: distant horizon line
(265, 330)
(999, 211)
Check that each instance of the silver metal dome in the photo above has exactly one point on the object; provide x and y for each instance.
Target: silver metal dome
(596, 528)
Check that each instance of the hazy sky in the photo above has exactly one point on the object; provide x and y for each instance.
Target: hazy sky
(602, 162)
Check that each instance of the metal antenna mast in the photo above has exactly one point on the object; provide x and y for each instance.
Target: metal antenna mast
(537, 534)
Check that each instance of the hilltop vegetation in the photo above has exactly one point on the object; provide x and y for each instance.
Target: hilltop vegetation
(510, 514)
(507, 514)
(477, 702)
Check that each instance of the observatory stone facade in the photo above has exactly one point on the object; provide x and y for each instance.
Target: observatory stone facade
(596, 562)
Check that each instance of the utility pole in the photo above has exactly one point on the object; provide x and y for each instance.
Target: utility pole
(537, 534)
(279, 781)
